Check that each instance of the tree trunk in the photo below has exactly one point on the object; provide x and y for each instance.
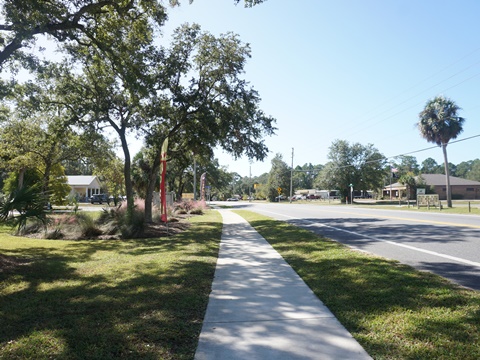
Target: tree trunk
(447, 174)
(148, 216)
(46, 177)
(21, 176)
(152, 177)
(127, 175)
(181, 187)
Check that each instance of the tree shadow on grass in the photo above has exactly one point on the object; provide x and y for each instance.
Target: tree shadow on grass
(60, 306)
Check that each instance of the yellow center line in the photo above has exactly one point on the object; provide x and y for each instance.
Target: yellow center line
(407, 219)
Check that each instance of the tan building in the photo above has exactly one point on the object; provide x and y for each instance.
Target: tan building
(396, 189)
(461, 188)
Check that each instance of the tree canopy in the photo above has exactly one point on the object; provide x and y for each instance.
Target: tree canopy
(363, 166)
(202, 101)
(112, 74)
(83, 22)
(278, 178)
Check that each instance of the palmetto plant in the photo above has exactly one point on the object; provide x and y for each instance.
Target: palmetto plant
(439, 123)
(23, 204)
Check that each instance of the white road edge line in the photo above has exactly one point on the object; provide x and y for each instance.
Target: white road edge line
(434, 253)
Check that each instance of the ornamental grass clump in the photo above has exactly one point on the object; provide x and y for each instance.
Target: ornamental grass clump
(88, 226)
(199, 208)
(190, 207)
(119, 221)
(170, 214)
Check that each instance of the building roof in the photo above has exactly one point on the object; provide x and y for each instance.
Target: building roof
(395, 186)
(439, 179)
(81, 180)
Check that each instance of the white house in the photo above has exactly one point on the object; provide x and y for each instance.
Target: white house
(84, 185)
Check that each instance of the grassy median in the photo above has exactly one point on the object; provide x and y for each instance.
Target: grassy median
(394, 311)
(128, 299)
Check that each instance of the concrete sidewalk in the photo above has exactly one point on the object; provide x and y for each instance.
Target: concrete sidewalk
(259, 308)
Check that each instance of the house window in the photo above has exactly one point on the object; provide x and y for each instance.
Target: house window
(470, 189)
(444, 189)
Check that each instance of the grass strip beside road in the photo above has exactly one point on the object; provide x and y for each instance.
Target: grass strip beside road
(97, 299)
(393, 310)
(459, 207)
(461, 210)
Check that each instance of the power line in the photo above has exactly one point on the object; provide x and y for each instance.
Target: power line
(434, 147)
(410, 107)
(471, 137)
(424, 80)
(418, 94)
(393, 157)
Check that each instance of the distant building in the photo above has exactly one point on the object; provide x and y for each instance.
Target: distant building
(460, 188)
(84, 186)
(318, 194)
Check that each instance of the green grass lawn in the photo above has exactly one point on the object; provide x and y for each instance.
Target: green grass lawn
(129, 299)
(394, 311)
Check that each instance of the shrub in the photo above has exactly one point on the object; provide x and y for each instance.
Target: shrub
(23, 204)
(134, 228)
(157, 214)
(73, 201)
(187, 206)
(87, 225)
(183, 206)
(196, 211)
(116, 220)
(54, 234)
(32, 226)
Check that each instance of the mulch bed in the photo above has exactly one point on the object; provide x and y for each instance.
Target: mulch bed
(160, 230)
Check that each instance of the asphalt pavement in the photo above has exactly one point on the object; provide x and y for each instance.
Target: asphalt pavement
(259, 308)
(442, 243)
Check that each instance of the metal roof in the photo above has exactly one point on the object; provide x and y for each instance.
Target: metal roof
(439, 179)
(81, 180)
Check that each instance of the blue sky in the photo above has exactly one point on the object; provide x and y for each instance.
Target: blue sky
(354, 70)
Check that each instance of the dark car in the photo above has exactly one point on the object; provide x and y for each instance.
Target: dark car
(99, 198)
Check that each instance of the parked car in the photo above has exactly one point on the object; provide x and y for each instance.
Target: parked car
(232, 199)
(298, 197)
(99, 198)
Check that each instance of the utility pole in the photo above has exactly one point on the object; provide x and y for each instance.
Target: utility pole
(250, 185)
(291, 178)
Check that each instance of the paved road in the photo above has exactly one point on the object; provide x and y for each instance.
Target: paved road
(448, 245)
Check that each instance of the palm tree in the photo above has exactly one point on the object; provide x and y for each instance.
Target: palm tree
(438, 123)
